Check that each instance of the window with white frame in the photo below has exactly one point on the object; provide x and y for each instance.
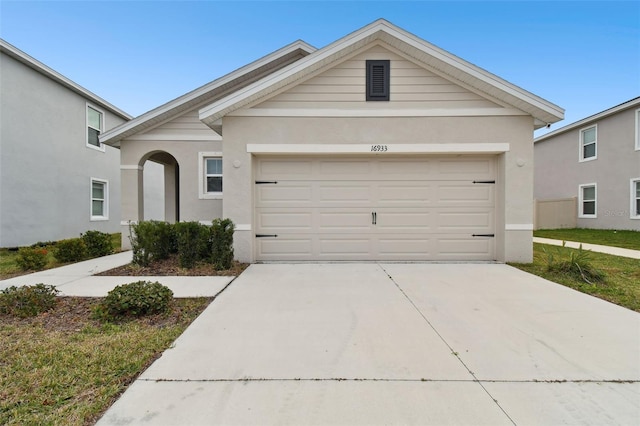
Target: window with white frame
(588, 201)
(638, 130)
(99, 199)
(589, 143)
(95, 124)
(210, 175)
(635, 198)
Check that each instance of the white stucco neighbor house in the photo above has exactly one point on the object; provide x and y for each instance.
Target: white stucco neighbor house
(379, 146)
(56, 178)
(596, 163)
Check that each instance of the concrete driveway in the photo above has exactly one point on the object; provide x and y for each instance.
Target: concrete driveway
(312, 344)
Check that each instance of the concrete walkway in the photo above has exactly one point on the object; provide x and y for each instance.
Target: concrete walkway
(367, 344)
(77, 279)
(616, 251)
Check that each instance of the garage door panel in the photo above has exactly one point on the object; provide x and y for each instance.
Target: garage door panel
(376, 209)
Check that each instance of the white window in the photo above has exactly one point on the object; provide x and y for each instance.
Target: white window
(589, 143)
(95, 124)
(210, 175)
(635, 198)
(99, 199)
(588, 201)
(638, 130)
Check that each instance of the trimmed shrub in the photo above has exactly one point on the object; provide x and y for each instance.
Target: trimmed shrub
(134, 300)
(222, 243)
(152, 240)
(32, 259)
(98, 243)
(193, 242)
(71, 250)
(27, 301)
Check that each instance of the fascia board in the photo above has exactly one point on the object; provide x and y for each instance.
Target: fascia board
(633, 103)
(38, 66)
(444, 61)
(112, 135)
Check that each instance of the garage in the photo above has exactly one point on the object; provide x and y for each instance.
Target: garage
(377, 208)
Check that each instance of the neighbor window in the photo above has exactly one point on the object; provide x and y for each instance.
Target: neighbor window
(588, 143)
(378, 76)
(638, 130)
(95, 124)
(99, 199)
(635, 198)
(588, 203)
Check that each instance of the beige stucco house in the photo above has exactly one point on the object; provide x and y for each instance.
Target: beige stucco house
(379, 146)
(587, 174)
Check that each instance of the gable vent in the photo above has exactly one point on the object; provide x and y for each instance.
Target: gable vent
(378, 80)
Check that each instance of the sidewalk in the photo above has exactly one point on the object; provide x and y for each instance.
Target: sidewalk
(616, 251)
(78, 279)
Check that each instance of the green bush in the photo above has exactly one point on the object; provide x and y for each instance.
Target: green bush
(32, 259)
(577, 264)
(133, 300)
(152, 240)
(222, 243)
(98, 243)
(71, 250)
(193, 243)
(27, 301)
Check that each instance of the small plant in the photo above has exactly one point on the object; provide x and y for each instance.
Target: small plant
(32, 259)
(134, 300)
(222, 243)
(193, 242)
(98, 243)
(577, 264)
(71, 250)
(27, 301)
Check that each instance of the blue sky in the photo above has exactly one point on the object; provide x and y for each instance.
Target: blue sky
(582, 56)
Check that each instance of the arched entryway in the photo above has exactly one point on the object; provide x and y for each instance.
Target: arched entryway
(169, 187)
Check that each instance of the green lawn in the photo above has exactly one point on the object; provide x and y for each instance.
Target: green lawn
(9, 268)
(607, 237)
(69, 375)
(622, 275)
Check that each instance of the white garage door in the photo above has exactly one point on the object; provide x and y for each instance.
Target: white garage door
(423, 208)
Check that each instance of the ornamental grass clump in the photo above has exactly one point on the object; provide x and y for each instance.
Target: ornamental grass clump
(577, 264)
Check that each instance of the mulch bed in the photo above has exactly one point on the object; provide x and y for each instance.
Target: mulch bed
(171, 267)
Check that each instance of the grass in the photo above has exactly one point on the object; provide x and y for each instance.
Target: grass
(606, 237)
(9, 268)
(54, 375)
(621, 283)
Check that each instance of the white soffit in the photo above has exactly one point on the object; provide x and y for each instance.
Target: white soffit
(444, 62)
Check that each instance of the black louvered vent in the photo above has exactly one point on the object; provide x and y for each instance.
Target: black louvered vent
(378, 80)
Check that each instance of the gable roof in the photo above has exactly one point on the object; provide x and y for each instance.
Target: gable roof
(635, 102)
(38, 66)
(449, 65)
(210, 91)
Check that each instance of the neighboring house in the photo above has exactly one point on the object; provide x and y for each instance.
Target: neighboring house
(56, 178)
(379, 146)
(595, 163)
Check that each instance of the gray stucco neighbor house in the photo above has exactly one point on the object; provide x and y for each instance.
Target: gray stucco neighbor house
(56, 179)
(379, 146)
(596, 161)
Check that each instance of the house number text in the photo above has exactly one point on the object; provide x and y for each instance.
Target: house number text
(379, 148)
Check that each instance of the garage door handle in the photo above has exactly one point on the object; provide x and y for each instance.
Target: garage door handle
(483, 235)
(374, 218)
(264, 182)
(266, 235)
(484, 181)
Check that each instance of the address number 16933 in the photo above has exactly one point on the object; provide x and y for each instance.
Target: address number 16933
(379, 148)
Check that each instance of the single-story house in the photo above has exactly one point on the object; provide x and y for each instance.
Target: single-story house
(587, 174)
(379, 146)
